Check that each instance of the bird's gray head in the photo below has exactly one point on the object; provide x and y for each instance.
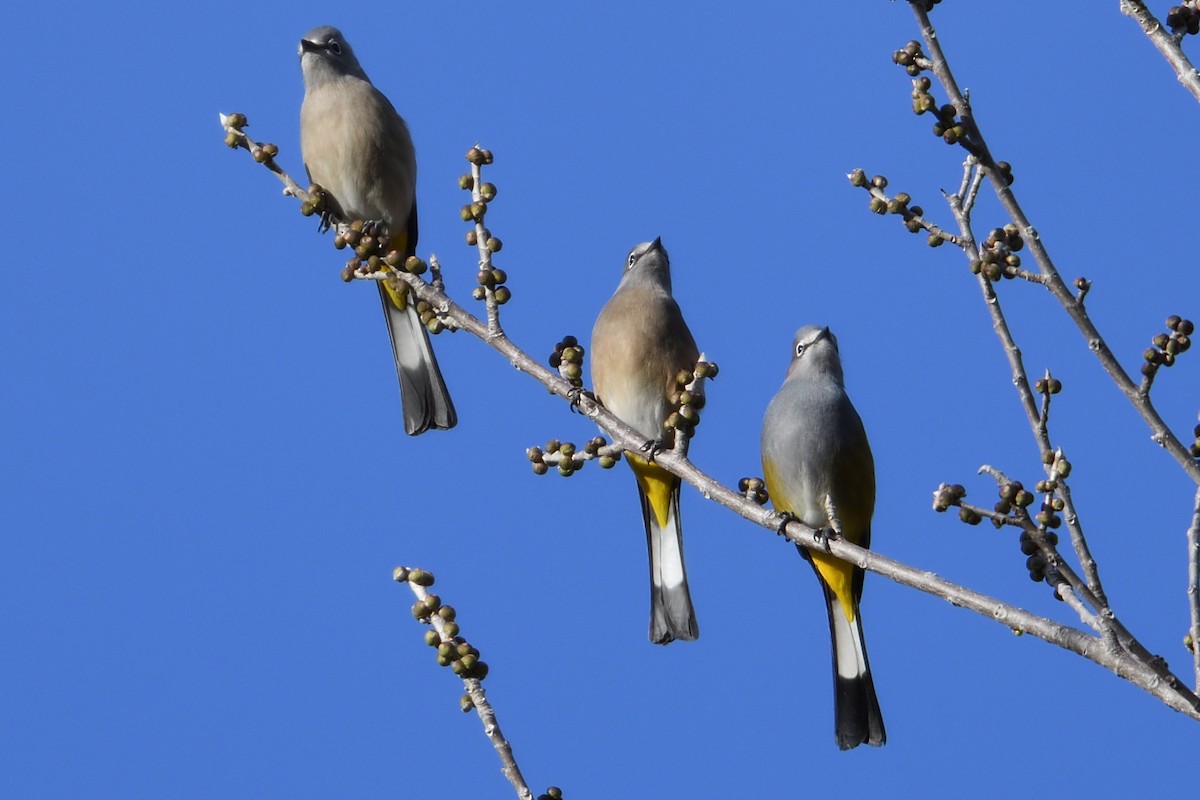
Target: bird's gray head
(648, 262)
(815, 355)
(325, 54)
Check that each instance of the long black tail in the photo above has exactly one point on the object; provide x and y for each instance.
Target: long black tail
(857, 718)
(671, 613)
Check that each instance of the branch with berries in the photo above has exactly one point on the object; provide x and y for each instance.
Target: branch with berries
(997, 259)
(455, 652)
(1183, 20)
(440, 312)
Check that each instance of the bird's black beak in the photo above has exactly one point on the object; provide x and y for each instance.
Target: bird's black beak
(656, 244)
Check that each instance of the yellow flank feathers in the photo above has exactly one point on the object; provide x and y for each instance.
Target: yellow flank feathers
(656, 483)
(837, 574)
(399, 297)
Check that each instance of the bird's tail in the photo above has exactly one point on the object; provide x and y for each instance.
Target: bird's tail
(671, 613)
(422, 391)
(857, 718)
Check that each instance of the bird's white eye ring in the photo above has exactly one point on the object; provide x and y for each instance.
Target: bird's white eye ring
(632, 261)
(335, 46)
(800, 349)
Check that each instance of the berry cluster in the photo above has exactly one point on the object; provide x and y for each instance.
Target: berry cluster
(452, 650)
(1012, 509)
(1036, 562)
(997, 255)
(952, 494)
(878, 205)
(950, 127)
(570, 459)
(567, 358)
(373, 254)
(687, 399)
(1166, 346)
(1047, 385)
(1013, 495)
(1184, 19)
(908, 57)
(491, 279)
(754, 489)
(494, 279)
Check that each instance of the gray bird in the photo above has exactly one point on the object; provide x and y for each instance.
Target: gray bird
(640, 343)
(814, 447)
(357, 148)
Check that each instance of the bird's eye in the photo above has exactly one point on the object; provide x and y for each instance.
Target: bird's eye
(335, 47)
(632, 261)
(800, 349)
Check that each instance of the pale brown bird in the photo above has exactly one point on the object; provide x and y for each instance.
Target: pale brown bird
(640, 343)
(357, 148)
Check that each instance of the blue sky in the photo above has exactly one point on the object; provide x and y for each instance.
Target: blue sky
(205, 484)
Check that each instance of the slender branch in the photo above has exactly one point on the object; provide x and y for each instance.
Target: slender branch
(1049, 387)
(978, 149)
(262, 153)
(960, 207)
(1045, 541)
(1193, 540)
(1064, 593)
(482, 194)
(1166, 44)
(1160, 432)
(1092, 591)
(1083, 552)
(969, 188)
(1165, 687)
(448, 640)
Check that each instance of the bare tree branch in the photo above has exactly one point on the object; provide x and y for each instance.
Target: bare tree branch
(999, 175)
(1166, 44)
(977, 146)
(1193, 540)
(1165, 687)
(455, 651)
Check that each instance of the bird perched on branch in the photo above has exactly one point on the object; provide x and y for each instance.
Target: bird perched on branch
(358, 149)
(640, 344)
(817, 463)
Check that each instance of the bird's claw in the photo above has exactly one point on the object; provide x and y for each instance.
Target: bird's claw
(325, 221)
(652, 448)
(822, 536)
(783, 518)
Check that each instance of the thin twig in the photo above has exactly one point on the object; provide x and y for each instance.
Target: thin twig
(1083, 552)
(1064, 593)
(474, 688)
(481, 242)
(1091, 590)
(1193, 540)
(237, 137)
(682, 440)
(1020, 378)
(1161, 434)
(1166, 44)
